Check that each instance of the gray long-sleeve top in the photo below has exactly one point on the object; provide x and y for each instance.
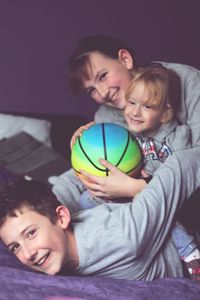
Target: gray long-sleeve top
(169, 138)
(132, 241)
(68, 187)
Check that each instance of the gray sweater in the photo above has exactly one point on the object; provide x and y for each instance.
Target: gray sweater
(169, 138)
(132, 240)
(68, 187)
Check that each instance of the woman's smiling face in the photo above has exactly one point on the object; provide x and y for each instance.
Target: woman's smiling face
(108, 78)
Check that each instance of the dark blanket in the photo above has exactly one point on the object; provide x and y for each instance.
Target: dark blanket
(19, 283)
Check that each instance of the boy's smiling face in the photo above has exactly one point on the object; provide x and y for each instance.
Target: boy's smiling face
(38, 243)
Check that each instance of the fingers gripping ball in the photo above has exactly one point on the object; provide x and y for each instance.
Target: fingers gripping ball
(109, 141)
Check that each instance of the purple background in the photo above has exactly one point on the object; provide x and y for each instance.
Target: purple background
(37, 37)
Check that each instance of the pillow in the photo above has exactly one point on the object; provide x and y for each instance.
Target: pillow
(39, 129)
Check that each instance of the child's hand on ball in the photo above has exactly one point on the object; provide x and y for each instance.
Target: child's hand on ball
(117, 184)
(79, 132)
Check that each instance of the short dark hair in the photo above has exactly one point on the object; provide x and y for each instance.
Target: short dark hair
(106, 45)
(36, 195)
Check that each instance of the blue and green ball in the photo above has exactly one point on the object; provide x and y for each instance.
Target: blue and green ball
(109, 141)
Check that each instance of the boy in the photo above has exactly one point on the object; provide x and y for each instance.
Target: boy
(128, 241)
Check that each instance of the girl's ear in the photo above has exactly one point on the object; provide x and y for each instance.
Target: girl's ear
(64, 217)
(126, 58)
(167, 114)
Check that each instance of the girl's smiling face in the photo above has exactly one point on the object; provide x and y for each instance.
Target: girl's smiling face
(141, 117)
(108, 78)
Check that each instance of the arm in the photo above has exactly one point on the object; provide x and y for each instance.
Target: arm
(153, 211)
(68, 189)
(190, 98)
(180, 138)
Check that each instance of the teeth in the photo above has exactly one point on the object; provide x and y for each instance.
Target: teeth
(42, 260)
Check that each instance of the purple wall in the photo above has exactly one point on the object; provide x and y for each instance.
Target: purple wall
(37, 37)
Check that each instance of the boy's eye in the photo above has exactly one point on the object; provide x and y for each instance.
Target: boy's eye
(102, 76)
(14, 248)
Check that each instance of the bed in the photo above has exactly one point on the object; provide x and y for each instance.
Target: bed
(37, 145)
(18, 282)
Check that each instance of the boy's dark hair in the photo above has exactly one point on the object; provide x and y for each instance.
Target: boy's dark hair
(36, 195)
(106, 45)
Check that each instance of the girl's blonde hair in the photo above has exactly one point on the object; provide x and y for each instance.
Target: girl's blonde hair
(162, 84)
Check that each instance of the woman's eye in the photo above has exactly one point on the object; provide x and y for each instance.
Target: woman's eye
(102, 76)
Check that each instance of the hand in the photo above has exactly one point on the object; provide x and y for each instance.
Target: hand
(117, 184)
(79, 132)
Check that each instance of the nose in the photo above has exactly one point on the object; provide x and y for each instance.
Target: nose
(137, 110)
(103, 92)
(29, 253)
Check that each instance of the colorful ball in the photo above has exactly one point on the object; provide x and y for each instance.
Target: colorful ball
(109, 141)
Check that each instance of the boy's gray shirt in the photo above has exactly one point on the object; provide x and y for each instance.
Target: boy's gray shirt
(132, 240)
(68, 187)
